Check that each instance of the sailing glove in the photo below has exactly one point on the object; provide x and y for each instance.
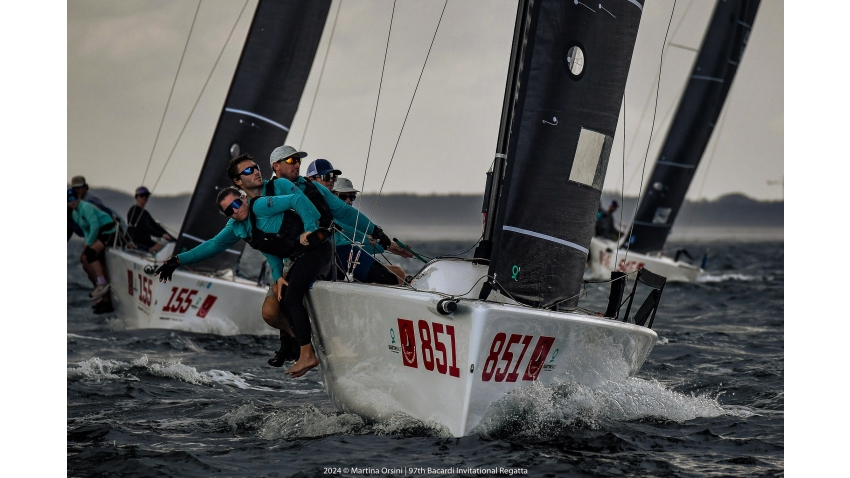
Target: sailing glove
(166, 269)
(382, 238)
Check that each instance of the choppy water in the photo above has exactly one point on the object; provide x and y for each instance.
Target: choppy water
(708, 401)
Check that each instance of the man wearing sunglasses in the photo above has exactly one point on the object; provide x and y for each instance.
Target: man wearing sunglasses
(280, 228)
(142, 226)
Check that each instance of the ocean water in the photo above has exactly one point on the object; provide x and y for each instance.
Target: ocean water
(709, 401)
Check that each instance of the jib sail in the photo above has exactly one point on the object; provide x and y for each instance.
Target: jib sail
(698, 111)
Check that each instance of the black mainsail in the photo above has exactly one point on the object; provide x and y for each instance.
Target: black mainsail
(260, 105)
(698, 111)
(569, 72)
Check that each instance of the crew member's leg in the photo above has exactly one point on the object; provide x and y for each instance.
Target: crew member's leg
(306, 269)
(289, 348)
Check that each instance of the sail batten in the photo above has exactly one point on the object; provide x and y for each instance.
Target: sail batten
(258, 111)
(694, 121)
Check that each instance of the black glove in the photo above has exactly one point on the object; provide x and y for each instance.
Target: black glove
(166, 269)
(383, 240)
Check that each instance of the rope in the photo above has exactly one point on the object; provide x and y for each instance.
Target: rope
(321, 74)
(409, 107)
(655, 110)
(374, 118)
(649, 95)
(198, 99)
(170, 93)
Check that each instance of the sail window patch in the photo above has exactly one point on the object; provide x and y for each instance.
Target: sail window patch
(591, 159)
(575, 61)
(662, 214)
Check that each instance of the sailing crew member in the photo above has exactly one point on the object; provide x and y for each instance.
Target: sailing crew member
(276, 226)
(367, 269)
(99, 231)
(142, 226)
(605, 222)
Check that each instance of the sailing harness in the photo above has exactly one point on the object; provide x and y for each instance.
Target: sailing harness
(285, 243)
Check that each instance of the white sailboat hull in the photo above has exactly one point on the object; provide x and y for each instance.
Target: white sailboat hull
(191, 302)
(386, 350)
(603, 259)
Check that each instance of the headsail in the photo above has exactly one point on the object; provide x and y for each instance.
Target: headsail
(698, 111)
(573, 62)
(258, 111)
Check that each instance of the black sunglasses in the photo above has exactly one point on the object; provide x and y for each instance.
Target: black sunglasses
(145, 195)
(229, 210)
(250, 170)
(346, 197)
(330, 177)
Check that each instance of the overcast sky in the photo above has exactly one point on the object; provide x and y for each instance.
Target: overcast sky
(123, 58)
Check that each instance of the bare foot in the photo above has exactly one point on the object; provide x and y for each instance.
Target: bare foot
(305, 362)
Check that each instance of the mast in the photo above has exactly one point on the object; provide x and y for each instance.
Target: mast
(260, 105)
(571, 74)
(496, 175)
(696, 116)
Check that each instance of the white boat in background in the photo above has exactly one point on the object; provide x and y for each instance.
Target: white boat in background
(203, 303)
(605, 257)
(209, 296)
(693, 124)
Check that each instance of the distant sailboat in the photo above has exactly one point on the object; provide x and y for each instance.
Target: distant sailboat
(260, 105)
(467, 332)
(689, 134)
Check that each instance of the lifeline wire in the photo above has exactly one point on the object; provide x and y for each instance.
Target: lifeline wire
(180, 65)
(657, 87)
(374, 208)
(198, 99)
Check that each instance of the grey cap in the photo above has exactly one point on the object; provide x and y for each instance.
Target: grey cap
(343, 185)
(78, 182)
(283, 152)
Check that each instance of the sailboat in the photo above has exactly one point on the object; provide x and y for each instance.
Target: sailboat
(686, 141)
(211, 296)
(465, 333)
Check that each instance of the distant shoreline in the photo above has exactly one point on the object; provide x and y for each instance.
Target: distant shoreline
(458, 217)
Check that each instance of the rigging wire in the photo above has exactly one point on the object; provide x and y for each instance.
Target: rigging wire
(649, 94)
(375, 207)
(170, 93)
(321, 74)
(198, 99)
(655, 110)
(374, 117)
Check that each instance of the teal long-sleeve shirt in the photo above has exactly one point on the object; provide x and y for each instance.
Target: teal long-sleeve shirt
(91, 219)
(269, 214)
(341, 211)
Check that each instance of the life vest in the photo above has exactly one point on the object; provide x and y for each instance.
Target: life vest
(284, 242)
(326, 218)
